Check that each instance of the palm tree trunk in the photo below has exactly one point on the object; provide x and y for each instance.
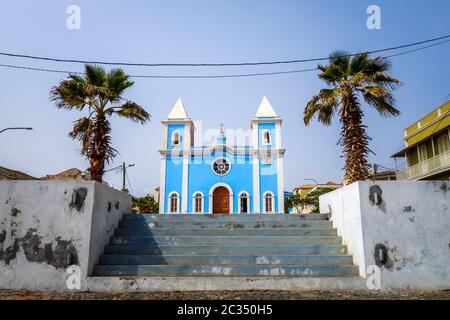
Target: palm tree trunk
(354, 139)
(99, 146)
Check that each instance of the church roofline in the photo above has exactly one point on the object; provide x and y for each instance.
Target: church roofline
(178, 111)
(265, 109)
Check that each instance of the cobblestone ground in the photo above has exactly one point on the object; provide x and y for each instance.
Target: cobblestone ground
(227, 295)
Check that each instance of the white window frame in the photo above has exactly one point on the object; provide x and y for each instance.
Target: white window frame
(194, 202)
(169, 202)
(172, 139)
(247, 194)
(264, 201)
(264, 143)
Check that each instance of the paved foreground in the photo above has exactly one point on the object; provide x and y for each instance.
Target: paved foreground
(227, 295)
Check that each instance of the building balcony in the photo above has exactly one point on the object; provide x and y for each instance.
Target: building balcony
(427, 168)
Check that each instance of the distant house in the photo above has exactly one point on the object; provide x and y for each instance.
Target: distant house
(69, 174)
(305, 189)
(8, 174)
(427, 147)
(387, 175)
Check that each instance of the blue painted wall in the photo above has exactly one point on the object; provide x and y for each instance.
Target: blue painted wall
(268, 180)
(174, 177)
(202, 177)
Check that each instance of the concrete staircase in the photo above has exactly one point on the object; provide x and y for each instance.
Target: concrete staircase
(251, 246)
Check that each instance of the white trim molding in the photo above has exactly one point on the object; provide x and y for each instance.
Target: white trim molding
(170, 204)
(280, 184)
(256, 191)
(184, 185)
(162, 184)
(210, 194)
(202, 202)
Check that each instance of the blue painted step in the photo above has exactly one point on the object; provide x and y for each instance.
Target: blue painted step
(143, 231)
(226, 260)
(168, 223)
(243, 249)
(154, 245)
(225, 240)
(229, 270)
(228, 217)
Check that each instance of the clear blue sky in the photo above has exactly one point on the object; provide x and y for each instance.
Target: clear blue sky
(211, 31)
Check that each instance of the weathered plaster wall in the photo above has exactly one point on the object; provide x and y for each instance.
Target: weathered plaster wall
(412, 222)
(45, 226)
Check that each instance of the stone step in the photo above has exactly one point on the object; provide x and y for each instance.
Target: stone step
(177, 223)
(225, 260)
(224, 283)
(227, 217)
(225, 232)
(225, 240)
(241, 250)
(231, 270)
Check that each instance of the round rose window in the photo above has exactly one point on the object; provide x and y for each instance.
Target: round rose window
(221, 166)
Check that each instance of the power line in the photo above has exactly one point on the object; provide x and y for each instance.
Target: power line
(213, 76)
(129, 184)
(167, 76)
(213, 64)
(417, 49)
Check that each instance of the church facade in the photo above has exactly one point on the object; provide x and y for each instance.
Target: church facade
(222, 178)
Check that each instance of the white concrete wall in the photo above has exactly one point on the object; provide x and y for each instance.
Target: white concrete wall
(40, 228)
(412, 222)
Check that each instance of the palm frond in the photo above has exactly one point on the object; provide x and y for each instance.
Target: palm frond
(69, 94)
(132, 111)
(95, 75)
(82, 131)
(381, 99)
(117, 82)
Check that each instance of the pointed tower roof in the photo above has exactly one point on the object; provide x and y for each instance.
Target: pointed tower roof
(265, 109)
(178, 111)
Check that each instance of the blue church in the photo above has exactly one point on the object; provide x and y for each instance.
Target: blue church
(222, 178)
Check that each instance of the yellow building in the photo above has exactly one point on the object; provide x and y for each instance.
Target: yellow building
(304, 189)
(427, 147)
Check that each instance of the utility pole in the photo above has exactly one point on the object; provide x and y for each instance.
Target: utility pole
(124, 172)
(123, 167)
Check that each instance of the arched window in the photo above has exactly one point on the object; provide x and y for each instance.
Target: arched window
(268, 202)
(198, 202)
(175, 138)
(174, 201)
(244, 206)
(267, 137)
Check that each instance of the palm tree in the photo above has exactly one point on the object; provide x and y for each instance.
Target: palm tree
(101, 93)
(348, 79)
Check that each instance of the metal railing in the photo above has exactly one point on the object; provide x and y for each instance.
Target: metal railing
(430, 166)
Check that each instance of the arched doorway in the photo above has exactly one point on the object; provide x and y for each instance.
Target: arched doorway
(221, 200)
